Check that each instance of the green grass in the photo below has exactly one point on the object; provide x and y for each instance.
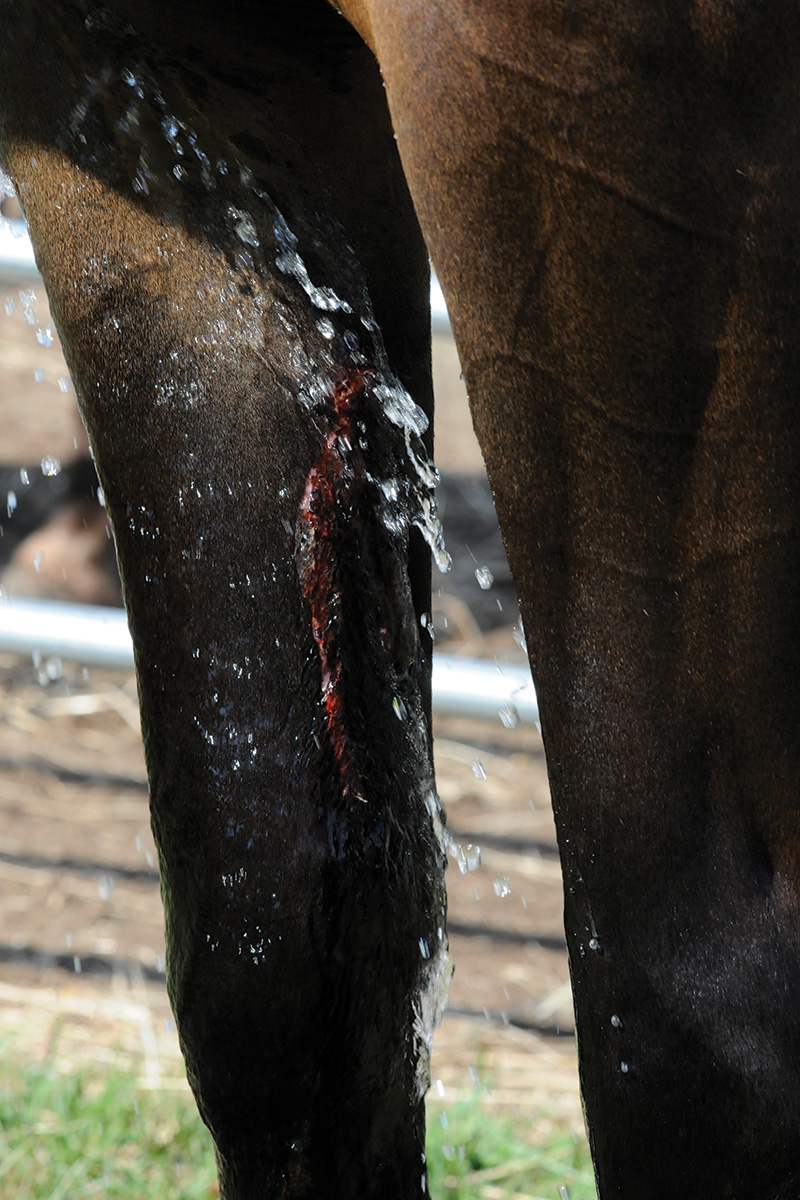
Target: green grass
(71, 1137)
(473, 1156)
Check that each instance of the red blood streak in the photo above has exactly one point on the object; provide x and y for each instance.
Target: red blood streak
(330, 480)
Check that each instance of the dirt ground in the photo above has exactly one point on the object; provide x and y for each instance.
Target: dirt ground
(81, 941)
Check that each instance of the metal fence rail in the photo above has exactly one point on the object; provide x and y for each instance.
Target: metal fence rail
(99, 637)
(16, 251)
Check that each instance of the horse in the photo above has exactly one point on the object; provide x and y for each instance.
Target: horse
(233, 209)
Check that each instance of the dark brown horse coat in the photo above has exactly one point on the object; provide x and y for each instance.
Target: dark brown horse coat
(610, 194)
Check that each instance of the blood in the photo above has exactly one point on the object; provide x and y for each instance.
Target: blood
(337, 473)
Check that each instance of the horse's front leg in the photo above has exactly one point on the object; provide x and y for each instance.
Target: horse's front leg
(611, 198)
(219, 259)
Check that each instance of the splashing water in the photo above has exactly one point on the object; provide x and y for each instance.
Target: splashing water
(346, 382)
(290, 263)
(51, 465)
(371, 437)
(6, 186)
(261, 232)
(467, 856)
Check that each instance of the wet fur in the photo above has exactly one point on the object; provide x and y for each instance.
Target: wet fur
(610, 196)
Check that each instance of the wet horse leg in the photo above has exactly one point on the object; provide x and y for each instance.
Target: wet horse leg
(611, 199)
(223, 227)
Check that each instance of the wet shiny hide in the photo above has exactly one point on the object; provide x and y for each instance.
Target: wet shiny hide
(609, 194)
(301, 865)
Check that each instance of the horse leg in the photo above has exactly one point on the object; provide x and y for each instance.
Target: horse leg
(611, 199)
(223, 228)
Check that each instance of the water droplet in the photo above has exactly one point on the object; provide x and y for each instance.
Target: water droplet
(478, 769)
(424, 949)
(615, 1021)
(401, 410)
(243, 226)
(509, 715)
(563, 1192)
(439, 1088)
(11, 503)
(76, 962)
(53, 668)
(10, 305)
(468, 857)
(27, 298)
(400, 710)
(501, 886)
(51, 465)
(64, 384)
(623, 1066)
(23, 475)
(593, 943)
(44, 335)
(484, 577)
(37, 560)
(39, 375)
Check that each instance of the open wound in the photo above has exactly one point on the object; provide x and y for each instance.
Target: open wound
(370, 484)
(329, 506)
